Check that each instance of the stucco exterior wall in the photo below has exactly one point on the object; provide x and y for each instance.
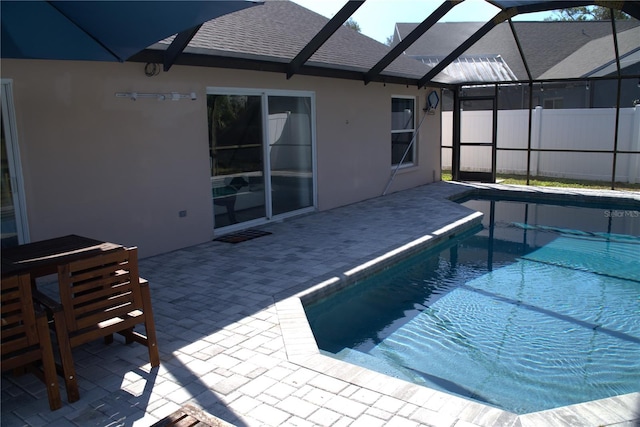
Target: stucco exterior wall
(122, 170)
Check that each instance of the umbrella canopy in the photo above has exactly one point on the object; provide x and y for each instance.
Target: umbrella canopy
(99, 30)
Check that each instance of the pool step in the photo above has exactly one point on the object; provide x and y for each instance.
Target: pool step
(365, 360)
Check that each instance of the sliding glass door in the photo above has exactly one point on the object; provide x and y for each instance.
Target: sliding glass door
(290, 153)
(261, 154)
(236, 156)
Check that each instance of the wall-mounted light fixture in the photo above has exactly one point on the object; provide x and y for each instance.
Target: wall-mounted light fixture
(171, 96)
(152, 69)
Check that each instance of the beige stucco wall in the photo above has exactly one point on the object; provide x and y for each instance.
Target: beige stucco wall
(122, 170)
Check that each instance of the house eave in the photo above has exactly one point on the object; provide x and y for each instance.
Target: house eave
(274, 65)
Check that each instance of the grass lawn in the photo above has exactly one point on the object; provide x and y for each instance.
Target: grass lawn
(542, 181)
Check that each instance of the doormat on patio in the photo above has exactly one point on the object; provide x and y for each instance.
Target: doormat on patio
(241, 236)
(191, 416)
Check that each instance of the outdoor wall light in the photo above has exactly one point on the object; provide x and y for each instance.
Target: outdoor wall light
(173, 96)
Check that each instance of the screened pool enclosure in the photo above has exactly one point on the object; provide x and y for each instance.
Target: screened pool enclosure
(533, 99)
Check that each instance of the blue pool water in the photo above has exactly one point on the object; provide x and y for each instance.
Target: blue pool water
(539, 309)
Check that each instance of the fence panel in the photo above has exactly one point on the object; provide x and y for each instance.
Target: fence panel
(582, 129)
(579, 129)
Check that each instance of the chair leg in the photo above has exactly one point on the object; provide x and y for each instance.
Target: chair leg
(66, 357)
(48, 364)
(150, 328)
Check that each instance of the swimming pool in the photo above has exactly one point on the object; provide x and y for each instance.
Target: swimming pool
(538, 309)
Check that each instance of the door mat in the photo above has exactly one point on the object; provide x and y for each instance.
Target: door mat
(191, 416)
(241, 236)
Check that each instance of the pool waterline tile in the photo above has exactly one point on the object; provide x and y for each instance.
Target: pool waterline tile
(344, 279)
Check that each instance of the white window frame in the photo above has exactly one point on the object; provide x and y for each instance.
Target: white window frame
(555, 103)
(412, 131)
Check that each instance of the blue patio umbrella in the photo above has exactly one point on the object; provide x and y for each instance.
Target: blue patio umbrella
(99, 30)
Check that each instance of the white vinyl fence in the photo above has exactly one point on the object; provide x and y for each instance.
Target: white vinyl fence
(579, 129)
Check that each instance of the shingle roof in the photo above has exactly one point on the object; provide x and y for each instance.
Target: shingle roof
(545, 43)
(595, 55)
(278, 30)
(269, 37)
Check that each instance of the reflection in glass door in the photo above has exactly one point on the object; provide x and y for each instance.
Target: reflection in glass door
(236, 156)
(261, 151)
(13, 220)
(9, 228)
(290, 153)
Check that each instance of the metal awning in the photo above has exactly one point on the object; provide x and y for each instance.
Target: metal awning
(101, 30)
(474, 68)
(123, 30)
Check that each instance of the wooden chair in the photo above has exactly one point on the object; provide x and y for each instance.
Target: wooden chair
(25, 335)
(101, 296)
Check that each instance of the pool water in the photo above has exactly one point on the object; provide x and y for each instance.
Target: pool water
(539, 309)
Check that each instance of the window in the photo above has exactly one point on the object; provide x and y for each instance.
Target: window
(553, 103)
(403, 122)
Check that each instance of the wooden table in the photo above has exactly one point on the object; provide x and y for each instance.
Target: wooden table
(43, 258)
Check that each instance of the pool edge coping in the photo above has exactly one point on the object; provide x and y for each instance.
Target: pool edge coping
(302, 349)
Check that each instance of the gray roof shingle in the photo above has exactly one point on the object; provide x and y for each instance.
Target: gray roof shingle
(596, 54)
(278, 29)
(270, 35)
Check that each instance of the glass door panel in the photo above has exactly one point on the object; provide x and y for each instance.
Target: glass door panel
(8, 211)
(290, 153)
(236, 156)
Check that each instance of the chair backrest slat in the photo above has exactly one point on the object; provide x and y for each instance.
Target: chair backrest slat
(96, 273)
(105, 317)
(100, 288)
(18, 315)
(25, 334)
(106, 289)
(14, 344)
(104, 309)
